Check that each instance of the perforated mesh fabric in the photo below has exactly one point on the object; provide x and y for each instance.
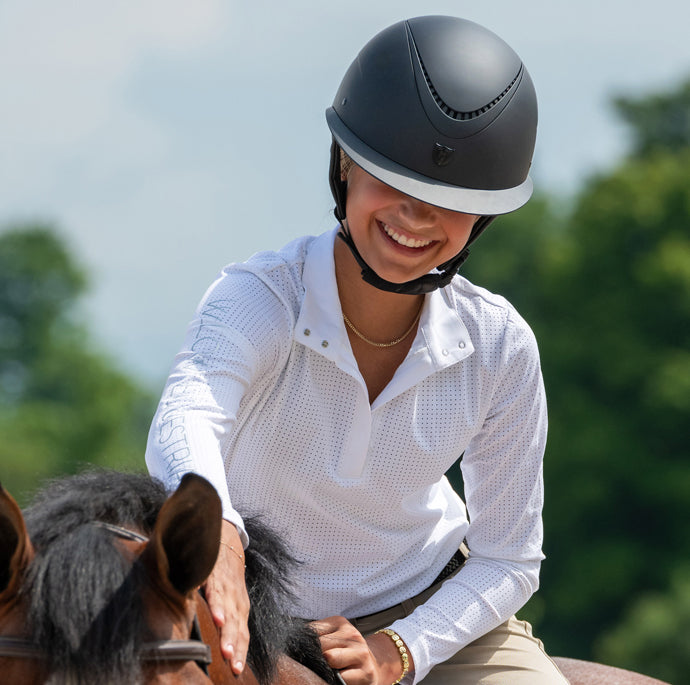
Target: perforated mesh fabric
(266, 401)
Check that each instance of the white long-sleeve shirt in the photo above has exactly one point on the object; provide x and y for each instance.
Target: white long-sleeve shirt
(266, 401)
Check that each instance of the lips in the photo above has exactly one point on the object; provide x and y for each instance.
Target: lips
(404, 240)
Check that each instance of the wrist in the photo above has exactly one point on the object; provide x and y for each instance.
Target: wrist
(404, 661)
(231, 541)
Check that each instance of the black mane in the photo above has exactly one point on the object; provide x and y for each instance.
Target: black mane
(84, 600)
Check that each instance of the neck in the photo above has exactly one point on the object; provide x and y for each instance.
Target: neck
(375, 312)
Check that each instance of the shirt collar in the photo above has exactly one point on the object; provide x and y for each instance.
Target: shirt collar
(320, 322)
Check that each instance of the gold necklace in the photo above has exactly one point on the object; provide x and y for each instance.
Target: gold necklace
(351, 326)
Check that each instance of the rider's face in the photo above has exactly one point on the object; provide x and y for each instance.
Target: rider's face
(400, 237)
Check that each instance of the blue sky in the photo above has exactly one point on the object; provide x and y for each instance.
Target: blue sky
(166, 138)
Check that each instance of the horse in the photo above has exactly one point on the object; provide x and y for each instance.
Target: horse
(99, 583)
(580, 672)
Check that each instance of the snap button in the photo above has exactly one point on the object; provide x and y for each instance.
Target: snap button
(307, 331)
(444, 353)
(324, 343)
(461, 344)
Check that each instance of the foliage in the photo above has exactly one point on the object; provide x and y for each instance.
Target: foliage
(61, 403)
(658, 122)
(606, 287)
(654, 635)
(617, 472)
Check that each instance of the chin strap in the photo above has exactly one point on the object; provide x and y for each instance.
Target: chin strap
(418, 286)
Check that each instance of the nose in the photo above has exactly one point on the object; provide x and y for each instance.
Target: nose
(417, 210)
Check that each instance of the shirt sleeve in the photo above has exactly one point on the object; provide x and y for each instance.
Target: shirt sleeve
(502, 473)
(240, 330)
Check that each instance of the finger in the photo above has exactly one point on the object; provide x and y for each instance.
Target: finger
(230, 610)
(332, 624)
(234, 642)
(338, 657)
(355, 676)
(325, 626)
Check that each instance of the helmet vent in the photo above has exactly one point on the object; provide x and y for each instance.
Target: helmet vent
(463, 116)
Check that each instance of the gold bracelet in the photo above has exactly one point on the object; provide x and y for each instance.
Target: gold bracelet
(234, 551)
(402, 650)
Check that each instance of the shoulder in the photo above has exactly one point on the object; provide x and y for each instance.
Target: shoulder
(490, 318)
(266, 277)
(251, 307)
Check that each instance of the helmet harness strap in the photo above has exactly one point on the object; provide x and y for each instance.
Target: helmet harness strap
(418, 286)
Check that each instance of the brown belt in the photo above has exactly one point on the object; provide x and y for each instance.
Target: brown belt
(371, 622)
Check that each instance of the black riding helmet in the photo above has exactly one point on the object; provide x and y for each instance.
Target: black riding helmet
(441, 109)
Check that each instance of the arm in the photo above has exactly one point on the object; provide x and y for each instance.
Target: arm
(502, 470)
(228, 346)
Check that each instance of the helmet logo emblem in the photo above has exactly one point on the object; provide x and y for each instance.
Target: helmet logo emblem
(441, 154)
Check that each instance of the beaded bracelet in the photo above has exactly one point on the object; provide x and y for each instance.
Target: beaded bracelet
(402, 650)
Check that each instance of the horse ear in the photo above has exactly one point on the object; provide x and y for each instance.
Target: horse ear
(186, 537)
(16, 550)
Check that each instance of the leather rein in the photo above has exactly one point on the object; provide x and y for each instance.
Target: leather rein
(194, 649)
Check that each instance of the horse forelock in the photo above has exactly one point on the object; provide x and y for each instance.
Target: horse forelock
(85, 609)
(94, 495)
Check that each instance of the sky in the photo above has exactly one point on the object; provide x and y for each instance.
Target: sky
(166, 138)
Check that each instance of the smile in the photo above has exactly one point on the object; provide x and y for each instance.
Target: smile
(402, 240)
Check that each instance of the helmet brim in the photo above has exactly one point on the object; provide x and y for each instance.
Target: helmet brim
(438, 193)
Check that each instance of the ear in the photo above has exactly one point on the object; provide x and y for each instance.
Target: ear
(186, 537)
(16, 550)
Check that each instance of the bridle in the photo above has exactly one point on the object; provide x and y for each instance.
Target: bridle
(194, 649)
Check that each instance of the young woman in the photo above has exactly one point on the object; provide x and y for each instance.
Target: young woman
(331, 384)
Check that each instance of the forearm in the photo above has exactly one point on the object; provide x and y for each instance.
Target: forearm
(480, 597)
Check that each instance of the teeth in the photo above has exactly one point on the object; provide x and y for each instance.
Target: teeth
(407, 242)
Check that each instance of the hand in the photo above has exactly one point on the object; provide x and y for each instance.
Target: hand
(226, 594)
(371, 660)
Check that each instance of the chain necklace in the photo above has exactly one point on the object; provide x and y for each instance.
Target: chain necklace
(351, 326)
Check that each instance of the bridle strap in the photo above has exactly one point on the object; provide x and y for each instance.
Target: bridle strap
(176, 650)
(18, 648)
(121, 532)
(163, 650)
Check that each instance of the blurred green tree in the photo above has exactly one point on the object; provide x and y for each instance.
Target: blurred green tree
(619, 368)
(657, 122)
(605, 283)
(654, 634)
(62, 403)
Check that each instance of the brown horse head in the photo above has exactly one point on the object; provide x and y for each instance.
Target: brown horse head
(107, 591)
(93, 595)
(16, 553)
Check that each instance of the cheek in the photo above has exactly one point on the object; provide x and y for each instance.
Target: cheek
(463, 228)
